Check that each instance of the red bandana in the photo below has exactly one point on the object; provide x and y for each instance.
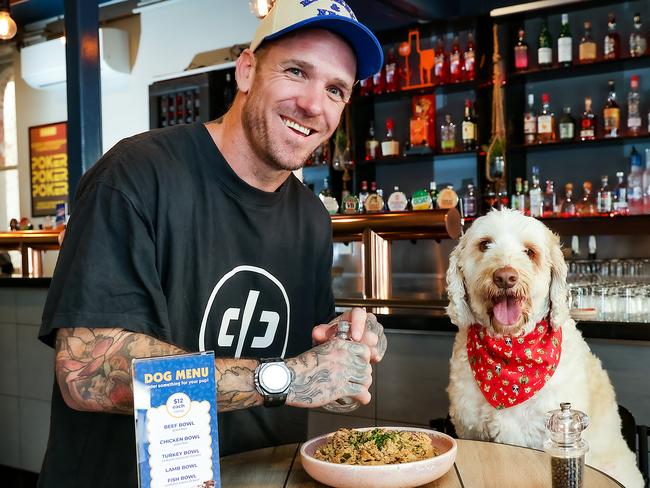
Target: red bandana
(509, 370)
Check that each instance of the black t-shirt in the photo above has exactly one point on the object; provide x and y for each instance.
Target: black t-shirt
(165, 239)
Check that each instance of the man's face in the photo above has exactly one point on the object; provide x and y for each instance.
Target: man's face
(300, 88)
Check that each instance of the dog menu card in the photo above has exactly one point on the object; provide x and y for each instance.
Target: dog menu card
(176, 421)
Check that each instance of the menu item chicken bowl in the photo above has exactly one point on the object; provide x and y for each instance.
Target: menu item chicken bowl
(386, 457)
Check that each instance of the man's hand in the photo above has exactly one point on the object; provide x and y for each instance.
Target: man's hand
(364, 328)
(330, 371)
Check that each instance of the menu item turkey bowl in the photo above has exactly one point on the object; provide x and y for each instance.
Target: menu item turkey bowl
(384, 446)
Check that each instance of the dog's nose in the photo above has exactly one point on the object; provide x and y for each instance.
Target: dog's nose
(505, 277)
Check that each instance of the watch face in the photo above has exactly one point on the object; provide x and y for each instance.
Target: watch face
(275, 377)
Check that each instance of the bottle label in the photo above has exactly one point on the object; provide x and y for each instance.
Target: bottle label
(374, 203)
(566, 130)
(350, 205)
(587, 51)
(372, 149)
(609, 46)
(390, 73)
(454, 64)
(447, 198)
(604, 202)
(469, 206)
(536, 203)
(439, 65)
(530, 124)
(544, 124)
(634, 122)
(564, 49)
(545, 55)
(587, 133)
(421, 200)
(521, 57)
(469, 61)
(390, 148)
(469, 131)
(397, 202)
(612, 118)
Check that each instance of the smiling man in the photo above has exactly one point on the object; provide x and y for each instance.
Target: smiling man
(199, 237)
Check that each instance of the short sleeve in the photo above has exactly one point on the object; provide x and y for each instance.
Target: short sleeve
(106, 273)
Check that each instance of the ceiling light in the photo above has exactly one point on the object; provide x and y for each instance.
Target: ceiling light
(7, 25)
(260, 7)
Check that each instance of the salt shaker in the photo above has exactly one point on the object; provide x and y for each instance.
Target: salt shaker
(565, 446)
(344, 404)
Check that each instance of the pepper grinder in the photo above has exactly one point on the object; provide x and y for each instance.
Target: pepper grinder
(565, 446)
(344, 404)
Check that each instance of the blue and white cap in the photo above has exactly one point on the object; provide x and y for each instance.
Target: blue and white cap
(334, 15)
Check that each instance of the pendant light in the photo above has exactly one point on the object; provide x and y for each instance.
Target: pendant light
(7, 25)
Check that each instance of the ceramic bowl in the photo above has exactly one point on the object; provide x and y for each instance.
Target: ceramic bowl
(403, 475)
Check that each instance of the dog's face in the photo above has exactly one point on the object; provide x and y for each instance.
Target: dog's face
(505, 273)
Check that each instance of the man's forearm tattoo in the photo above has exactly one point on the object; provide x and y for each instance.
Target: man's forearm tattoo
(235, 384)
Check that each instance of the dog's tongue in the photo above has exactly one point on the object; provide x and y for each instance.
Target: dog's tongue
(507, 310)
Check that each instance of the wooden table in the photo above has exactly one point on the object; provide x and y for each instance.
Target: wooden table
(478, 464)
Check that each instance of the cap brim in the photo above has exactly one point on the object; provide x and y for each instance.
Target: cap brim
(368, 51)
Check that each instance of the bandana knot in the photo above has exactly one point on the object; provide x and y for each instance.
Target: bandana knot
(509, 370)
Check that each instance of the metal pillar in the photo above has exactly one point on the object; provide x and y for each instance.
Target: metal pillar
(83, 88)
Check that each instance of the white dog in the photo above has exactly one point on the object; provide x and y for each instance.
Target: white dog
(508, 296)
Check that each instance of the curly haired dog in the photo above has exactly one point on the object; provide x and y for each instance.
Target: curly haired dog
(507, 289)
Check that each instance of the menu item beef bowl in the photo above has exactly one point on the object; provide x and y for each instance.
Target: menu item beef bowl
(386, 457)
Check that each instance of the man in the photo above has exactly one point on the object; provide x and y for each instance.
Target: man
(199, 237)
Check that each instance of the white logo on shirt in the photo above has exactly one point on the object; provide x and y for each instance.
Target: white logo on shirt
(228, 330)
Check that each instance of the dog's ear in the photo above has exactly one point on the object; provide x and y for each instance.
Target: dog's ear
(559, 293)
(458, 308)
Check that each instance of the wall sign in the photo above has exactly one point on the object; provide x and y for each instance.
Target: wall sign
(48, 164)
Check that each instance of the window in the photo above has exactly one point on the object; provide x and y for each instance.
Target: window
(9, 197)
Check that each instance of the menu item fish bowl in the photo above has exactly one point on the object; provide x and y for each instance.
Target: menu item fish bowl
(387, 457)
(376, 446)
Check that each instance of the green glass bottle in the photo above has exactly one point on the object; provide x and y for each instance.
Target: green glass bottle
(545, 50)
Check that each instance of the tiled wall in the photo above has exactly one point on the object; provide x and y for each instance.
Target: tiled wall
(26, 375)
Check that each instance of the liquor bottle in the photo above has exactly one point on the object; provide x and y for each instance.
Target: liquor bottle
(549, 200)
(326, 191)
(489, 197)
(646, 182)
(612, 49)
(389, 146)
(526, 193)
(535, 195)
(379, 81)
(469, 201)
(587, 49)
(568, 206)
(530, 121)
(421, 200)
(448, 135)
(440, 64)
(521, 52)
(635, 191)
(503, 200)
(619, 195)
(588, 123)
(518, 201)
(366, 87)
(397, 201)
(433, 193)
(637, 38)
(612, 113)
(468, 128)
(545, 122)
(363, 194)
(586, 207)
(455, 65)
(633, 112)
(567, 125)
(372, 144)
(545, 50)
(392, 72)
(469, 59)
(604, 203)
(447, 198)
(565, 43)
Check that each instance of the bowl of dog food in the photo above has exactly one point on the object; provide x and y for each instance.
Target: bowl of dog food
(379, 457)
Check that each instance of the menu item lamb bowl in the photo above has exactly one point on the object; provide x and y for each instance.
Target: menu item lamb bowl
(386, 457)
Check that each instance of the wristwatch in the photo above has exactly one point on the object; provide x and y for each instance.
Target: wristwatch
(272, 381)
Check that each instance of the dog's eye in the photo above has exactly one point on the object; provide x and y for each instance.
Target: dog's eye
(484, 245)
(530, 252)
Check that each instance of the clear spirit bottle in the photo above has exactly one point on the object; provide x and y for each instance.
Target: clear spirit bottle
(530, 121)
(612, 47)
(448, 135)
(637, 38)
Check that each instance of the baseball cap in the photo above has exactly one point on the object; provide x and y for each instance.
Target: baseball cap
(334, 15)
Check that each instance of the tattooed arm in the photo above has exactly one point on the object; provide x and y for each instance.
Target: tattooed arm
(93, 369)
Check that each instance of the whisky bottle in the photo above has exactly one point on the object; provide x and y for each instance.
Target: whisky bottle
(448, 135)
(604, 199)
(586, 207)
(469, 202)
(372, 144)
(587, 49)
(565, 43)
(521, 52)
(619, 195)
(612, 48)
(545, 49)
(612, 113)
(567, 125)
(588, 123)
(468, 128)
(530, 121)
(546, 122)
(637, 38)
(389, 146)
(568, 206)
